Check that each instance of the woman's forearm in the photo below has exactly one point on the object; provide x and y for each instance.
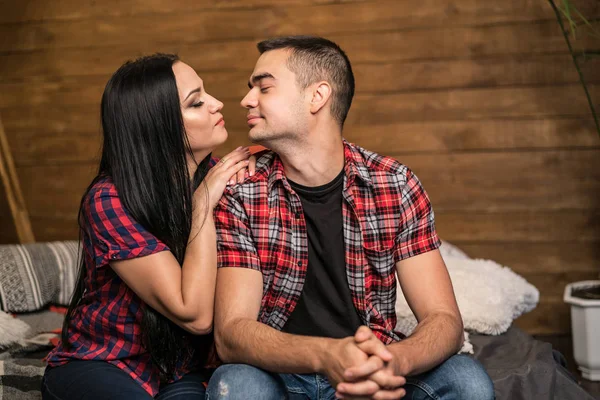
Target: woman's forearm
(199, 273)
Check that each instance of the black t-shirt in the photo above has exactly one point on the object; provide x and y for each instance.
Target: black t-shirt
(325, 307)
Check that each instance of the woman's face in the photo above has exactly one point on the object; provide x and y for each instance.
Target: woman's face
(202, 118)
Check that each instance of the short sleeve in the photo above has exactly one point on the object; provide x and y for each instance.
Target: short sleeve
(417, 232)
(235, 244)
(116, 234)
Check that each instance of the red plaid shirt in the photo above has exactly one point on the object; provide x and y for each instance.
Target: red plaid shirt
(106, 325)
(387, 217)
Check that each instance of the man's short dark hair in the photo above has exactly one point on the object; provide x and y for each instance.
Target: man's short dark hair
(313, 59)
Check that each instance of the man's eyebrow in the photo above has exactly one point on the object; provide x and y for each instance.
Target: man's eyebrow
(197, 90)
(257, 78)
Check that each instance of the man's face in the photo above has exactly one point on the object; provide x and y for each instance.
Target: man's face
(277, 106)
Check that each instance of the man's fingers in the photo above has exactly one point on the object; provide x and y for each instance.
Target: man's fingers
(372, 365)
(389, 394)
(362, 334)
(386, 380)
(240, 174)
(230, 172)
(374, 347)
(340, 396)
(362, 388)
(252, 165)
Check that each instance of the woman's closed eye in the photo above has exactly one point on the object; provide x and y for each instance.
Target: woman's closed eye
(198, 104)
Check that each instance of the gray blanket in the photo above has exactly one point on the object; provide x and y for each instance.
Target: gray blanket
(523, 368)
(22, 365)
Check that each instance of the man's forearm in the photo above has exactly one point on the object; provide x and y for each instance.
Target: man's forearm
(434, 340)
(252, 342)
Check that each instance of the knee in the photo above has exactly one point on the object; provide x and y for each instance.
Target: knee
(241, 381)
(470, 380)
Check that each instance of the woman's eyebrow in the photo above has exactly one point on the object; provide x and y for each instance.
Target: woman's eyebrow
(197, 90)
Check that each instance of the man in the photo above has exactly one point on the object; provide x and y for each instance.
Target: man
(309, 247)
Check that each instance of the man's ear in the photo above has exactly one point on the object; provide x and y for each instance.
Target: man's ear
(321, 92)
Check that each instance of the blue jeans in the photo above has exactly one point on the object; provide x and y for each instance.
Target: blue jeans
(460, 377)
(99, 380)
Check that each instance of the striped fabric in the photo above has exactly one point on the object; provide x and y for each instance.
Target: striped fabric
(34, 275)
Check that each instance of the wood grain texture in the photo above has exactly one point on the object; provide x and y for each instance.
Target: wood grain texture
(206, 25)
(528, 226)
(423, 12)
(8, 233)
(410, 76)
(382, 47)
(548, 180)
(42, 10)
(529, 257)
(552, 317)
(60, 145)
(367, 110)
(554, 181)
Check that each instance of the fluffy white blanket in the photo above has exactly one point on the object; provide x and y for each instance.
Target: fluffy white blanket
(489, 295)
(12, 329)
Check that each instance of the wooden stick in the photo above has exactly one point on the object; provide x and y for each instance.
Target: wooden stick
(12, 188)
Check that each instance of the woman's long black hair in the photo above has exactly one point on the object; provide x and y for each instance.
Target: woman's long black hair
(144, 152)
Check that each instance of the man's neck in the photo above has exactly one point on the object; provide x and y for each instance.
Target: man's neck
(314, 162)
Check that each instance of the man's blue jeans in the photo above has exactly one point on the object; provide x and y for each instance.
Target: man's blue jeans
(460, 377)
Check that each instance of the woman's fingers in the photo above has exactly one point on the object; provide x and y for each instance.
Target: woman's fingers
(233, 170)
(239, 154)
(231, 159)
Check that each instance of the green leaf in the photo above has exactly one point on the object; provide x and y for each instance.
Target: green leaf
(567, 13)
(597, 34)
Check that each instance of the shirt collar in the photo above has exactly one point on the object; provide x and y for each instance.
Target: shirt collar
(355, 165)
(354, 168)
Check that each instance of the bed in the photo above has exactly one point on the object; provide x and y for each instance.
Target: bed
(521, 367)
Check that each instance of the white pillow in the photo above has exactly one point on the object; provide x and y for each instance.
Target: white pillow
(489, 296)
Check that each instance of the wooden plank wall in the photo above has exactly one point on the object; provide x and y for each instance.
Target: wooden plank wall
(8, 233)
(478, 97)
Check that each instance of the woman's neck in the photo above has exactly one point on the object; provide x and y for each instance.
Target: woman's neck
(192, 164)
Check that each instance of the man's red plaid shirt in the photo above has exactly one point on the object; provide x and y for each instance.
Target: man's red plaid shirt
(387, 217)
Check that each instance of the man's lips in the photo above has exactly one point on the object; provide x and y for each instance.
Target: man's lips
(252, 119)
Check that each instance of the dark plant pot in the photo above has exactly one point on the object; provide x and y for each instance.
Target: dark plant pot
(591, 292)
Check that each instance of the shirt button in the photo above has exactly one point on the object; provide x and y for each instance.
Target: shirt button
(298, 215)
(299, 263)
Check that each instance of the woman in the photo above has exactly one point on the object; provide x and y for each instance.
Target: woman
(139, 323)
